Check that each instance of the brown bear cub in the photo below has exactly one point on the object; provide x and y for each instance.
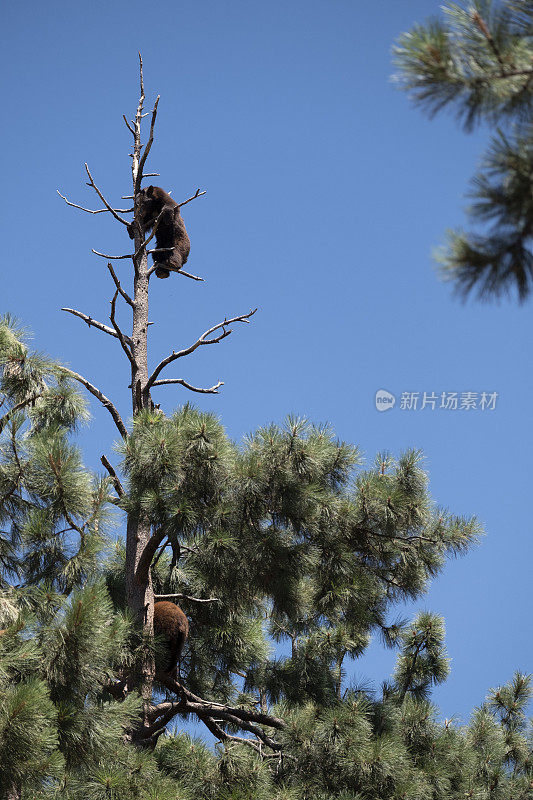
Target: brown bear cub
(170, 233)
(171, 623)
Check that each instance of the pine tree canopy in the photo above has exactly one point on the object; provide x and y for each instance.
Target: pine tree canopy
(286, 555)
(477, 59)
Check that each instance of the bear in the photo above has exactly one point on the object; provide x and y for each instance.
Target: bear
(170, 233)
(171, 624)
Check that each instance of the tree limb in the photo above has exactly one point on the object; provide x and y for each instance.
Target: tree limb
(172, 269)
(202, 340)
(93, 211)
(224, 736)
(218, 709)
(124, 343)
(114, 477)
(102, 398)
(198, 193)
(102, 198)
(124, 294)
(112, 258)
(128, 124)
(150, 141)
(165, 382)
(143, 565)
(93, 323)
(187, 597)
(136, 173)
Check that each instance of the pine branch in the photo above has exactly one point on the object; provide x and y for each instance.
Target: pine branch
(18, 407)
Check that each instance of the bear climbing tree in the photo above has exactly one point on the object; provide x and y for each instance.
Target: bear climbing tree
(154, 213)
(157, 210)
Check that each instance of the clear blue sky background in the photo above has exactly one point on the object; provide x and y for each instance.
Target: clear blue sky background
(326, 192)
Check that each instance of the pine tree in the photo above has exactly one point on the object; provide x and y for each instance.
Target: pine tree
(478, 61)
(285, 554)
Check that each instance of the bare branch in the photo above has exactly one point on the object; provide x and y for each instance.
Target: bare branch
(157, 727)
(218, 709)
(198, 193)
(202, 340)
(150, 138)
(112, 258)
(90, 210)
(128, 125)
(102, 398)
(223, 736)
(102, 198)
(124, 294)
(187, 597)
(172, 269)
(114, 477)
(206, 713)
(93, 323)
(212, 390)
(137, 133)
(125, 341)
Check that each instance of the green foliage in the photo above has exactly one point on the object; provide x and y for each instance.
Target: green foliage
(299, 555)
(278, 529)
(52, 511)
(478, 59)
(54, 720)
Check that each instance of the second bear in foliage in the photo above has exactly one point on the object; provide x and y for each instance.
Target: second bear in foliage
(171, 623)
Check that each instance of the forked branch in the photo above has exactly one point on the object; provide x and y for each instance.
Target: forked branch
(202, 340)
(93, 211)
(198, 193)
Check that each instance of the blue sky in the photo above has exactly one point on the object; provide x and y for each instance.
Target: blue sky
(327, 191)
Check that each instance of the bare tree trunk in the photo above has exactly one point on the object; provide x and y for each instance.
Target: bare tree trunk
(139, 590)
